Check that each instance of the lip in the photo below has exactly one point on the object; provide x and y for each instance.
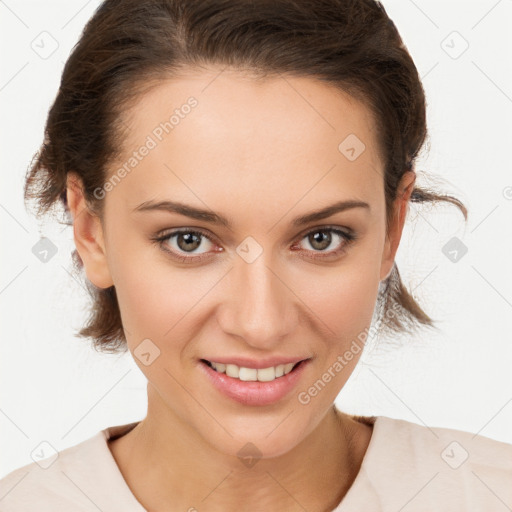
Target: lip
(253, 392)
(256, 364)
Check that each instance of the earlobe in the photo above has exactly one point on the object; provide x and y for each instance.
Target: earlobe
(88, 234)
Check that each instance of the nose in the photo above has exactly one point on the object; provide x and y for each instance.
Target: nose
(259, 307)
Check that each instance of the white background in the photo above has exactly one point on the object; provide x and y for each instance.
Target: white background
(56, 388)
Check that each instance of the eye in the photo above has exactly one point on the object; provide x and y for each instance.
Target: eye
(185, 244)
(185, 241)
(322, 238)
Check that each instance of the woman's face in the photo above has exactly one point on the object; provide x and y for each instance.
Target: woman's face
(261, 155)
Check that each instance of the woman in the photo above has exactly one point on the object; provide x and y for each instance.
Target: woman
(238, 176)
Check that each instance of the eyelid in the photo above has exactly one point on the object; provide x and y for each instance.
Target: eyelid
(325, 227)
(348, 234)
(172, 232)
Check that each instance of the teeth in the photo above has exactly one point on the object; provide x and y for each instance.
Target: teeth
(221, 368)
(252, 374)
(288, 368)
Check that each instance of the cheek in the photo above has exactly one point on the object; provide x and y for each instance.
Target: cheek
(342, 297)
(152, 301)
(146, 291)
(347, 309)
(156, 299)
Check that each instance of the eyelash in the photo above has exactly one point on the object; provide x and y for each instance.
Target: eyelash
(348, 237)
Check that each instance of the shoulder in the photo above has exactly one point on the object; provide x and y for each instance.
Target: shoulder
(49, 483)
(83, 477)
(449, 467)
(435, 468)
(454, 448)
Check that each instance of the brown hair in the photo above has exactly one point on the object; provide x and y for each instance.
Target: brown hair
(128, 45)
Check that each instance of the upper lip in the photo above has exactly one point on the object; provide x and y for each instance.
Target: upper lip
(256, 363)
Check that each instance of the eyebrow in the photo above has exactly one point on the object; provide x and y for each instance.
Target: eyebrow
(214, 218)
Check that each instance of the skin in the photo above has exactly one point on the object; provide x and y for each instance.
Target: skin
(260, 153)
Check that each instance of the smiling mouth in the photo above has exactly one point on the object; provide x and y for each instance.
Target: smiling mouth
(252, 374)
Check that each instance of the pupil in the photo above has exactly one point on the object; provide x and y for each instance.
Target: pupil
(317, 239)
(191, 241)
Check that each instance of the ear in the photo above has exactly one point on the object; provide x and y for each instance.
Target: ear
(400, 209)
(88, 234)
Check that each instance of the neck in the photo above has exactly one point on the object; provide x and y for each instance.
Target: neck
(168, 466)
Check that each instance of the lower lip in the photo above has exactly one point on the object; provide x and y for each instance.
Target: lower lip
(255, 392)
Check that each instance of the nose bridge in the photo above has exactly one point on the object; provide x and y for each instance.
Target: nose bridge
(259, 309)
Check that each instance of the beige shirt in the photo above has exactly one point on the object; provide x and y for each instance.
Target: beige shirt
(407, 467)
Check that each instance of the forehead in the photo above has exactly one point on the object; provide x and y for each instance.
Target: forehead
(251, 138)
